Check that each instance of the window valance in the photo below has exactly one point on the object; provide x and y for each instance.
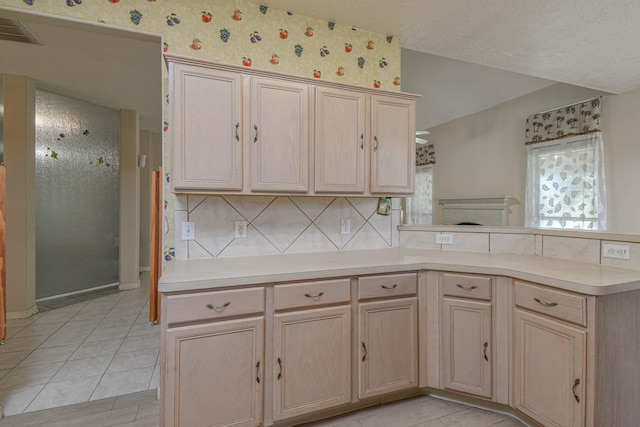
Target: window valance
(576, 119)
(425, 154)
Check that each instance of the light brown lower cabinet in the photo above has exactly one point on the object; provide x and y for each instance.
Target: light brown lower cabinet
(312, 361)
(466, 363)
(550, 370)
(388, 335)
(214, 374)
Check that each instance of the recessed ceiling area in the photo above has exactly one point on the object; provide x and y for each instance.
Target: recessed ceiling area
(98, 63)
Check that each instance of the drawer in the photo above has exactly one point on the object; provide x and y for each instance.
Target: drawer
(214, 305)
(309, 294)
(466, 286)
(390, 285)
(552, 302)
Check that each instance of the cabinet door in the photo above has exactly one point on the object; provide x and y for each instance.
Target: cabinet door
(549, 370)
(466, 346)
(206, 131)
(279, 136)
(393, 147)
(388, 346)
(214, 374)
(339, 141)
(312, 361)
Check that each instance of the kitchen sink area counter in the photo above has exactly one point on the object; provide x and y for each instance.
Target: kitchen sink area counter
(283, 340)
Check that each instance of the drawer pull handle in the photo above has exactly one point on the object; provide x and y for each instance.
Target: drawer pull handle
(280, 365)
(255, 139)
(375, 138)
(545, 303)
(237, 126)
(362, 141)
(576, 383)
(389, 288)
(486, 345)
(258, 372)
(463, 287)
(364, 347)
(219, 307)
(314, 297)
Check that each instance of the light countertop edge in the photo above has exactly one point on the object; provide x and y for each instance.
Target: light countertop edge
(202, 274)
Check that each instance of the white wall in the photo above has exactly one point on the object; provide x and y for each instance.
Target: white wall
(484, 154)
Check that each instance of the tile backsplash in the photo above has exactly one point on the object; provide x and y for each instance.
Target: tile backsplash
(281, 225)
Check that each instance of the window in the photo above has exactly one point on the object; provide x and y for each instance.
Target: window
(419, 208)
(566, 184)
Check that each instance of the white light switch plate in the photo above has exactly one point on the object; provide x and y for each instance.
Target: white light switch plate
(444, 239)
(188, 231)
(345, 226)
(615, 251)
(240, 230)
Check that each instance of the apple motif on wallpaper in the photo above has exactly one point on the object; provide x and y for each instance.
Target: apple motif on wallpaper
(246, 61)
(284, 34)
(115, 1)
(206, 16)
(376, 84)
(347, 47)
(317, 74)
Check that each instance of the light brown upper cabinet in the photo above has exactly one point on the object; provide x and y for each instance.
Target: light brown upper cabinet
(280, 136)
(248, 131)
(206, 131)
(393, 149)
(339, 141)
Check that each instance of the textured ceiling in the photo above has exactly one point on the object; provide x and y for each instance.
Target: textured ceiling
(582, 42)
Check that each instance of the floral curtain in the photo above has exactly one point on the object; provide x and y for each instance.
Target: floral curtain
(425, 154)
(574, 119)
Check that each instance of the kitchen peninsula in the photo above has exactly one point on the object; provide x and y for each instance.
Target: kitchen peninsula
(284, 339)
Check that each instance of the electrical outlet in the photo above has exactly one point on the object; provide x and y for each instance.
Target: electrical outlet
(615, 251)
(444, 239)
(240, 230)
(188, 230)
(345, 226)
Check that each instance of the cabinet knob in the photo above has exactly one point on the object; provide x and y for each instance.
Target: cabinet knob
(219, 307)
(545, 303)
(314, 297)
(576, 383)
(280, 365)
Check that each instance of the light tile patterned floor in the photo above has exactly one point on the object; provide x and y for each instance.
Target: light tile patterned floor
(87, 350)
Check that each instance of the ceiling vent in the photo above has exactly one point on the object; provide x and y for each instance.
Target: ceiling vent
(15, 31)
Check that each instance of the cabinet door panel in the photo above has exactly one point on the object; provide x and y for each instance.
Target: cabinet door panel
(207, 139)
(312, 361)
(466, 346)
(388, 346)
(339, 141)
(214, 374)
(279, 136)
(393, 152)
(549, 370)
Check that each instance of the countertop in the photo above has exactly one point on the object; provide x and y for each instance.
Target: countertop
(201, 274)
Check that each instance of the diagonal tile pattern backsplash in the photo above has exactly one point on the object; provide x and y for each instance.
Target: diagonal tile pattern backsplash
(279, 225)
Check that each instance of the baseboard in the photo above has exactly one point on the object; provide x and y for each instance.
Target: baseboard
(80, 292)
(144, 269)
(129, 286)
(22, 314)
